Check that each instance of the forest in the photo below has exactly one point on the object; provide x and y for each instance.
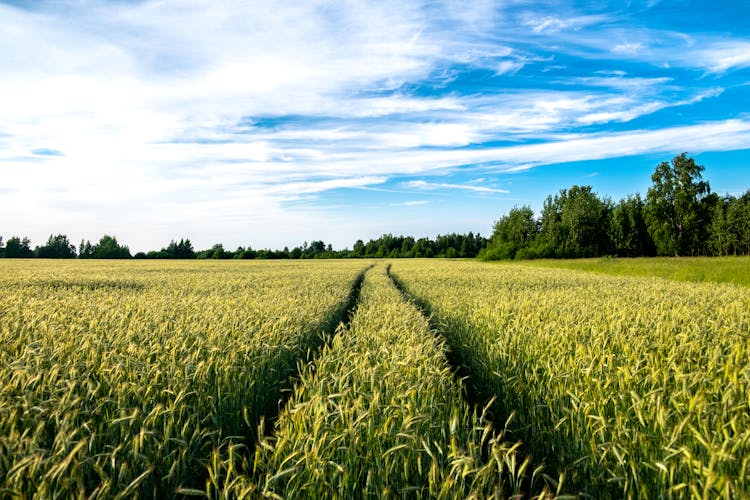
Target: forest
(680, 216)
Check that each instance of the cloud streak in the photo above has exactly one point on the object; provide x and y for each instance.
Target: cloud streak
(192, 116)
(431, 186)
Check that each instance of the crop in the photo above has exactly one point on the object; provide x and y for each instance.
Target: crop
(380, 414)
(119, 379)
(631, 387)
(248, 379)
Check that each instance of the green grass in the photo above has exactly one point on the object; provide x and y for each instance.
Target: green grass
(735, 270)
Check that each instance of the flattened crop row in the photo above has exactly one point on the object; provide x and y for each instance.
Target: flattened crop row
(380, 414)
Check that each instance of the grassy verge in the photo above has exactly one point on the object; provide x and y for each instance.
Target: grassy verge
(734, 270)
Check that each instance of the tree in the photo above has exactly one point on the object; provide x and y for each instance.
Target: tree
(628, 231)
(57, 247)
(245, 253)
(729, 230)
(407, 246)
(85, 250)
(512, 232)
(738, 214)
(182, 250)
(17, 248)
(676, 213)
(584, 217)
(359, 249)
(108, 248)
(575, 223)
(314, 249)
(216, 252)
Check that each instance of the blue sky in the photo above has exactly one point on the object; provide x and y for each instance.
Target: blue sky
(271, 123)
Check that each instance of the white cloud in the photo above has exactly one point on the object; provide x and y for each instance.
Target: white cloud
(554, 24)
(633, 48)
(723, 56)
(717, 136)
(157, 108)
(296, 188)
(431, 186)
(509, 67)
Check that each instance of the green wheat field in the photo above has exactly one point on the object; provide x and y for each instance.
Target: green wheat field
(605, 378)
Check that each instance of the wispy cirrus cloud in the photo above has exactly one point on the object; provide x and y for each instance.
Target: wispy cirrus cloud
(628, 48)
(233, 117)
(412, 203)
(431, 186)
(721, 56)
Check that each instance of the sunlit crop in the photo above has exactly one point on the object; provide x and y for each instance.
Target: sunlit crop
(127, 378)
(319, 378)
(381, 415)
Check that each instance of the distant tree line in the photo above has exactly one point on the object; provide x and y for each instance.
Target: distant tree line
(59, 247)
(679, 217)
(449, 245)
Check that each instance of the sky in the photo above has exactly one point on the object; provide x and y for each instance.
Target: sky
(269, 123)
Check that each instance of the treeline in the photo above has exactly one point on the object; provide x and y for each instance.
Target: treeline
(59, 247)
(680, 216)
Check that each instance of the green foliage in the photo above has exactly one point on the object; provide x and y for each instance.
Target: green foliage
(574, 222)
(447, 245)
(512, 232)
(57, 247)
(628, 230)
(216, 252)
(175, 250)
(85, 250)
(179, 250)
(729, 233)
(679, 217)
(676, 213)
(107, 248)
(18, 248)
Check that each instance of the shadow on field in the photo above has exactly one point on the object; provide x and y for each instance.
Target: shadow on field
(342, 318)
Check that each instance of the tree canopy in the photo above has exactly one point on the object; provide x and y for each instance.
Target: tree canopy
(57, 247)
(17, 248)
(680, 216)
(678, 210)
